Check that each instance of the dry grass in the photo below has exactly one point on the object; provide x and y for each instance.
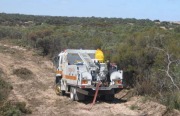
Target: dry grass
(8, 108)
(5, 88)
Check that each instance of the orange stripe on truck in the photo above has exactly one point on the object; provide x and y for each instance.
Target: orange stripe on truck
(58, 72)
(70, 77)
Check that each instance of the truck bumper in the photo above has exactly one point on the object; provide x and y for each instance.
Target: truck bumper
(90, 90)
(101, 88)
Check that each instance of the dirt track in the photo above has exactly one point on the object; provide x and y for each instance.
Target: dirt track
(38, 91)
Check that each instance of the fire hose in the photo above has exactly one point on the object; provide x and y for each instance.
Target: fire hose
(96, 93)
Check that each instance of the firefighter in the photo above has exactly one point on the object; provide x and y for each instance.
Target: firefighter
(99, 56)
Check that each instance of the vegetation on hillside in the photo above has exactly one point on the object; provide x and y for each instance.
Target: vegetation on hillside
(148, 51)
(5, 88)
(10, 108)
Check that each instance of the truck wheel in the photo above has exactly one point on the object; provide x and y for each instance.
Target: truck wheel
(62, 93)
(109, 97)
(58, 90)
(75, 96)
(58, 87)
(72, 94)
(79, 96)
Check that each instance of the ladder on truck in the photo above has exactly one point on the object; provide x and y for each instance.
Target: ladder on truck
(87, 60)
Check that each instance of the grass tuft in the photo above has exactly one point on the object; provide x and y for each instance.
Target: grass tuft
(23, 73)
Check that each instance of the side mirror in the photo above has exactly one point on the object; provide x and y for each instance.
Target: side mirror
(55, 61)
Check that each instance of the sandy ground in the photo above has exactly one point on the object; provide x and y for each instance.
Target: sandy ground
(38, 92)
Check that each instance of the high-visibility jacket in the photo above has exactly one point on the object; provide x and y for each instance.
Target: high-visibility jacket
(99, 55)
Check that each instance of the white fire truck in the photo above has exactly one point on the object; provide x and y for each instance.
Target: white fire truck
(78, 72)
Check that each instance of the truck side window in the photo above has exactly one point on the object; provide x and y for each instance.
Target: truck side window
(61, 60)
(56, 61)
(64, 59)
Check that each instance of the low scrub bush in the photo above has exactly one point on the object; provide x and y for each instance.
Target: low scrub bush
(23, 73)
(145, 86)
(172, 100)
(134, 107)
(5, 88)
(14, 109)
(8, 108)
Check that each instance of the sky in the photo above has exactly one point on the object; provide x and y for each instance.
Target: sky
(164, 10)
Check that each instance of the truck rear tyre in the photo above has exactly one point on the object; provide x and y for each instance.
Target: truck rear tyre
(108, 97)
(76, 96)
(72, 93)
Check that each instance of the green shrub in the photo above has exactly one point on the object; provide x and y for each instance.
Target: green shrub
(5, 88)
(23, 73)
(172, 101)
(22, 107)
(10, 108)
(14, 109)
(134, 107)
(145, 87)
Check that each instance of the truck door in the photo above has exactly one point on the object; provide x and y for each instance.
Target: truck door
(61, 63)
(59, 68)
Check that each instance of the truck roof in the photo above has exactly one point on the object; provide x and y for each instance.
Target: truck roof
(80, 51)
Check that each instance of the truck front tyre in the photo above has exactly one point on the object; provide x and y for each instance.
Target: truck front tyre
(58, 87)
